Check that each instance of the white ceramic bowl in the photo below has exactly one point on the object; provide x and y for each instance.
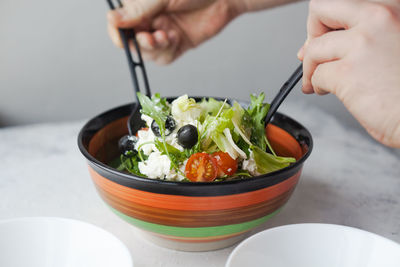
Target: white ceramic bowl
(315, 245)
(50, 242)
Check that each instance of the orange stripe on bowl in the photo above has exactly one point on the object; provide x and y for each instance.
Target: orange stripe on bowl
(195, 218)
(193, 202)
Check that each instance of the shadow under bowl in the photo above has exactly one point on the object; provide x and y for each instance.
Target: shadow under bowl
(185, 215)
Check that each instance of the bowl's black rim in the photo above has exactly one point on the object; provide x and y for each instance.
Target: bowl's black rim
(186, 188)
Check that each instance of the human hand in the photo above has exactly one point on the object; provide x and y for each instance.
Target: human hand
(166, 28)
(353, 51)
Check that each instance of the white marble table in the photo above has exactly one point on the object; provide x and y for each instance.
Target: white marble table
(349, 179)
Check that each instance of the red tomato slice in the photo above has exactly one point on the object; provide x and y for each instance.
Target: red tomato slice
(226, 165)
(201, 168)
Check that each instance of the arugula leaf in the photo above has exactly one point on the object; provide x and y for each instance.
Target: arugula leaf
(156, 108)
(267, 162)
(255, 115)
(174, 154)
(130, 164)
(161, 103)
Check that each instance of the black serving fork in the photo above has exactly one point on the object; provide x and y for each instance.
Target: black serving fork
(283, 92)
(134, 121)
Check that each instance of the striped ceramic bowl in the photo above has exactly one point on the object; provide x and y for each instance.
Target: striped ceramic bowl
(191, 216)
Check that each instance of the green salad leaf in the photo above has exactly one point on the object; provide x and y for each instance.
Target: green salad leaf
(255, 116)
(239, 132)
(174, 154)
(131, 164)
(267, 162)
(211, 107)
(157, 108)
(244, 129)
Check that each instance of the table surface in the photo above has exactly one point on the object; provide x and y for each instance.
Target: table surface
(349, 179)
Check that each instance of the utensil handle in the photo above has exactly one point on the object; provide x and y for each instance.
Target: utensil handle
(127, 35)
(284, 91)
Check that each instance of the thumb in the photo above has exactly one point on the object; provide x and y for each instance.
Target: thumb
(134, 12)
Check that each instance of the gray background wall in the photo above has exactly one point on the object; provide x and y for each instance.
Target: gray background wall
(58, 64)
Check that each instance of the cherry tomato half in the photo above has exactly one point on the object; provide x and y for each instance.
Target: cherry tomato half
(226, 165)
(201, 168)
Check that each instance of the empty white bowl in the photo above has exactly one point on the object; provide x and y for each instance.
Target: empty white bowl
(50, 242)
(315, 245)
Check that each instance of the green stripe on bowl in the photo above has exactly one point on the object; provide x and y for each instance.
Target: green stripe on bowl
(195, 231)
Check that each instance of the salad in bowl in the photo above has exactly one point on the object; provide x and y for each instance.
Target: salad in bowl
(203, 141)
(194, 175)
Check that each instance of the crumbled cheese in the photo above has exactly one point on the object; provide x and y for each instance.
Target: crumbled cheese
(159, 166)
(147, 119)
(250, 165)
(172, 139)
(156, 166)
(143, 137)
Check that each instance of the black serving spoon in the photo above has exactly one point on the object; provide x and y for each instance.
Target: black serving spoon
(126, 143)
(283, 92)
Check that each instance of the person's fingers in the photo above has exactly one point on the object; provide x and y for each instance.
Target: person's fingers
(300, 53)
(328, 47)
(166, 25)
(323, 81)
(159, 56)
(151, 41)
(328, 15)
(155, 46)
(161, 39)
(114, 35)
(134, 12)
(146, 40)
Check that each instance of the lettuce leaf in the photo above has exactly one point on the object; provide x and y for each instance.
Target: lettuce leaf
(254, 118)
(211, 107)
(213, 128)
(267, 162)
(243, 129)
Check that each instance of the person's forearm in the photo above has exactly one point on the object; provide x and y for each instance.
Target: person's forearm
(255, 5)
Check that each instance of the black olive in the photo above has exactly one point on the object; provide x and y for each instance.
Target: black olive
(187, 136)
(170, 126)
(127, 145)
